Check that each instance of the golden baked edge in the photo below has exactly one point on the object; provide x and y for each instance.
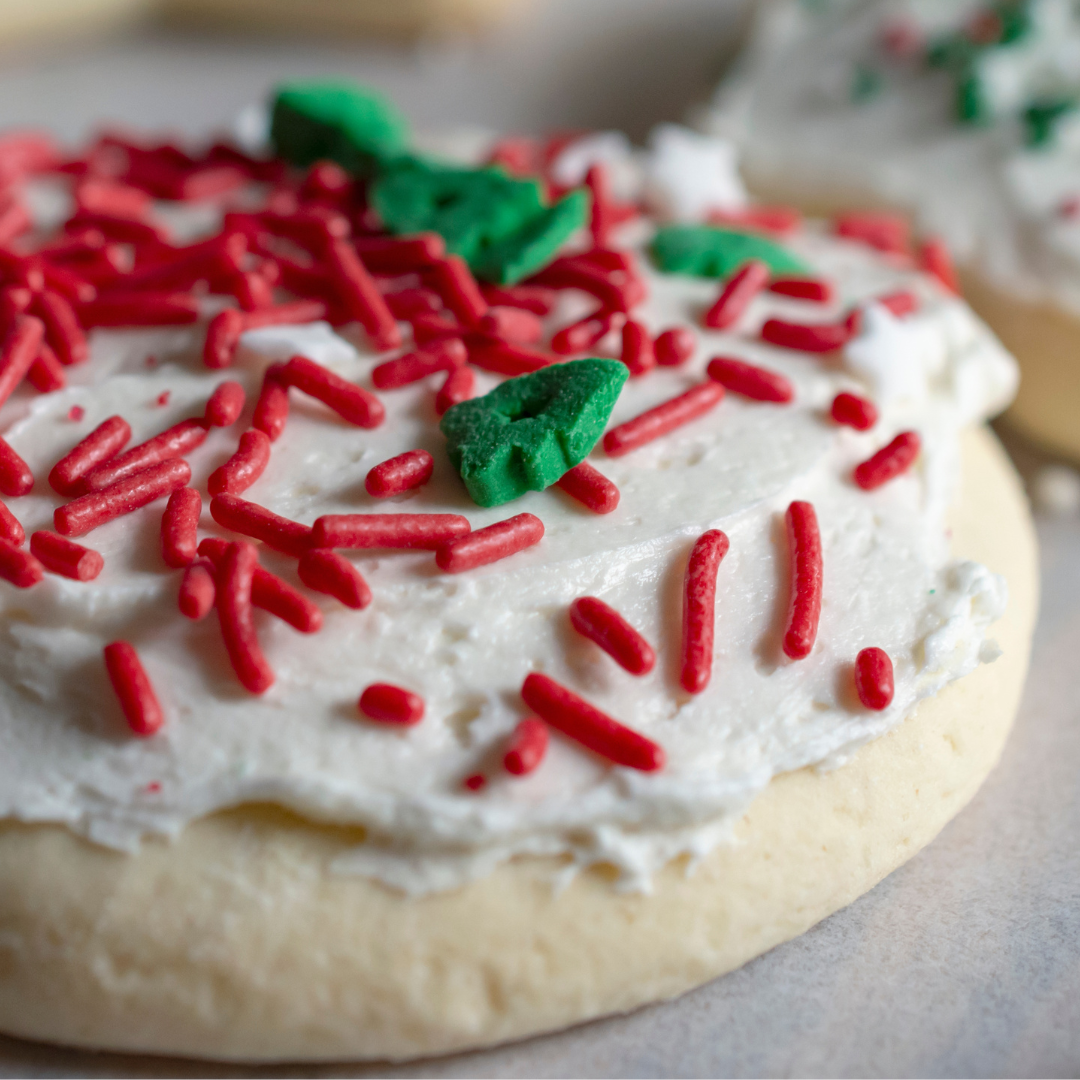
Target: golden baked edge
(236, 943)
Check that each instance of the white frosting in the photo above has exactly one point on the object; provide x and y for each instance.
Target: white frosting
(997, 202)
(466, 642)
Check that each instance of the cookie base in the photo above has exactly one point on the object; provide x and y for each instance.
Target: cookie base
(236, 943)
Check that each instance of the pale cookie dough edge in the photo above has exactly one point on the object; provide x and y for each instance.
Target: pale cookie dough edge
(236, 943)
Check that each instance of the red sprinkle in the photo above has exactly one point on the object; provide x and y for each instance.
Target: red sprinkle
(271, 593)
(222, 338)
(594, 619)
(534, 298)
(179, 526)
(854, 411)
(803, 288)
(133, 688)
(751, 381)
(18, 566)
(10, 529)
(936, 260)
(817, 338)
(172, 443)
(19, 351)
(126, 495)
(512, 324)
(65, 557)
(361, 296)
(585, 333)
(456, 285)
(392, 704)
(490, 544)
(475, 782)
(101, 445)
(272, 408)
(225, 405)
(328, 572)
(674, 346)
(163, 398)
(590, 487)
(399, 474)
(804, 547)
(400, 254)
(527, 747)
(351, 402)
(76, 413)
(244, 467)
(504, 358)
(874, 678)
(459, 386)
(889, 462)
(883, 231)
(443, 354)
(197, 590)
(426, 531)
(663, 418)
(15, 475)
(408, 303)
(140, 309)
(699, 610)
(62, 329)
(736, 295)
(250, 519)
(899, 303)
(234, 604)
(584, 723)
(638, 353)
(46, 372)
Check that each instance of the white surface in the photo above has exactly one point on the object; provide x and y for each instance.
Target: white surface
(964, 962)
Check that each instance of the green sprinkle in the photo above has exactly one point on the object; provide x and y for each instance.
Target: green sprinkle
(498, 224)
(707, 251)
(339, 121)
(1041, 120)
(866, 83)
(971, 103)
(529, 431)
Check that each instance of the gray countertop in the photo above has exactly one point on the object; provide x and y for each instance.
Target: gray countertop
(966, 961)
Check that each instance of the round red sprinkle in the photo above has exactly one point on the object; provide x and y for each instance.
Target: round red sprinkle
(475, 782)
(76, 412)
(392, 704)
(854, 411)
(874, 678)
(674, 346)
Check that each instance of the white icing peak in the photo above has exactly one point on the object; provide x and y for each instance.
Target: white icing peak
(1006, 207)
(466, 642)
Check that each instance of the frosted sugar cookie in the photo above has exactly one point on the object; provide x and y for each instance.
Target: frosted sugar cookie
(962, 116)
(457, 606)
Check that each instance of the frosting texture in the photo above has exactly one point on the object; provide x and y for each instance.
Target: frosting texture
(465, 642)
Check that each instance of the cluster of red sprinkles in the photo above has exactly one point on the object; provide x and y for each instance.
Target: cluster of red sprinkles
(314, 250)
